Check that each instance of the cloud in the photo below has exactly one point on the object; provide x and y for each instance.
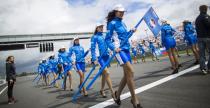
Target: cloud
(81, 2)
(58, 16)
(135, 6)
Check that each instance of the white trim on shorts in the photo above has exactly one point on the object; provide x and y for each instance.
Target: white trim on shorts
(119, 59)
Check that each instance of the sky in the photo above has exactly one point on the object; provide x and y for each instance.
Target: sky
(67, 16)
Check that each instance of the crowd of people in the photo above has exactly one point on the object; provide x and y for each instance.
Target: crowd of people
(61, 66)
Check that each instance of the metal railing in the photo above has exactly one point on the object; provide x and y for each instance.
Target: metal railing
(5, 39)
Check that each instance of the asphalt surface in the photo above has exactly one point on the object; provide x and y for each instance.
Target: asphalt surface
(190, 90)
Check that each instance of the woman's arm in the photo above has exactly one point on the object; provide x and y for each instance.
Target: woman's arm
(109, 34)
(8, 71)
(93, 49)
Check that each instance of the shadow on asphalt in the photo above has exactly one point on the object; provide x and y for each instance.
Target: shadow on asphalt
(4, 103)
(81, 101)
(95, 95)
(197, 73)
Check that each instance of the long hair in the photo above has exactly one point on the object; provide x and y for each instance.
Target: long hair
(74, 42)
(8, 58)
(110, 16)
(95, 30)
(60, 50)
(51, 57)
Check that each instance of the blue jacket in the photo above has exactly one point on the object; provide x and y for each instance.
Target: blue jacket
(102, 47)
(63, 58)
(120, 28)
(189, 30)
(53, 64)
(78, 51)
(140, 47)
(151, 46)
(166, 32)
(134, 50)
(45, 67)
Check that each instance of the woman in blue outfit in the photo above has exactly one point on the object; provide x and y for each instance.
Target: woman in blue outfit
(134, 52)
(190, 37)
(64, 64)
(169, 42)
(115, 24)
(45, 74)
(152, 49)
(40, 68)
(142, 52)
(98, 39)
(79, 62)
(40, 71)
(53, 62)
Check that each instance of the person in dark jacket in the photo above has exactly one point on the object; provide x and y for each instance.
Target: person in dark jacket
(202, 24)
(11, 78)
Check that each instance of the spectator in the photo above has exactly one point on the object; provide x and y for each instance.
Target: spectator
(11, 78)
(202, 24)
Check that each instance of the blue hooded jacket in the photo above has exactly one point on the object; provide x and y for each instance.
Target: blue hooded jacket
(120, 28)
(151, 46)
(189, 30)
(45, 67)
(63, 58)
(134, 50)
(78, 51)
(166, 32)
(140, 47)
(53, 64)
(102, 46)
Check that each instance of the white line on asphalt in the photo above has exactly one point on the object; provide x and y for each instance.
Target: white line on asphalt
(4, 82)
(146, 87)
(3, 90)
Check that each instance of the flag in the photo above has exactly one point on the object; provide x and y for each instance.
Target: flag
(152, 21)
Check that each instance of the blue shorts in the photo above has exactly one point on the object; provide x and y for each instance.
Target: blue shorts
(66, 68)
(191, 40)
(54, 70)
(45, 72)
(42, 72)
(134, 54)
(80, 66)
(102, 61)
(153, 51)
(142, 55)
(170, 43)
(123, 57)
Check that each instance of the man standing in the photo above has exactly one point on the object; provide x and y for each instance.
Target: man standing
(202, 24)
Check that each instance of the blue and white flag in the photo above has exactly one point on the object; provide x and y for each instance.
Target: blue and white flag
(152, 21)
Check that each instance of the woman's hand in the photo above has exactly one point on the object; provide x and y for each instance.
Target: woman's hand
(73, 63)
(95, 62)
(133, 29)
(117, 50)
(11, 81)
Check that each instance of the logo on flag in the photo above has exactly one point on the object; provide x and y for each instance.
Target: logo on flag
(152, 21)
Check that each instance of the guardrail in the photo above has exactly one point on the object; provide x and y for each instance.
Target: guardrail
(8, 39)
